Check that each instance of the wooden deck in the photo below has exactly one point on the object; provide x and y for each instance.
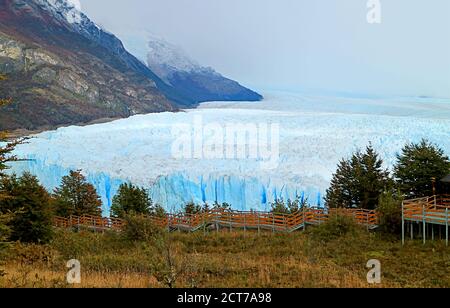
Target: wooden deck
(430, 214)
(218, 219)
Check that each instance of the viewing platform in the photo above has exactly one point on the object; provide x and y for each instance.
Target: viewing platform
(430, 215)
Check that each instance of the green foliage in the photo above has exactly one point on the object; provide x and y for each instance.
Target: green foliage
(32, 221)
(5, 229)
(289, 207)
(167, 261)
(4, 101)
(416, 165)
(358, 182)
(191, 208)
(131, 200)
(76, 197)
(9, 146)
(390, 213)
(217, 206)
(159, 211)
(139, 228)
(335, 227)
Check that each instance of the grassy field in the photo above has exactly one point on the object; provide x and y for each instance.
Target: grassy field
(225, 259)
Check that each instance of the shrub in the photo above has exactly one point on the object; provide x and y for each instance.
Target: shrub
(168, 261)
(140, 228)
(335, 227)
(32, 254)
(390, 213)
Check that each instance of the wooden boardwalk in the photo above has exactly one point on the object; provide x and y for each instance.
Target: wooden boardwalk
(430, 215)
(228, 219)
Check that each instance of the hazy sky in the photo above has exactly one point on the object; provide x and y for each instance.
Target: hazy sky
(298, 44)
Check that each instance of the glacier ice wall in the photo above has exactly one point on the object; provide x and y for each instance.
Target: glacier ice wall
(315, 133)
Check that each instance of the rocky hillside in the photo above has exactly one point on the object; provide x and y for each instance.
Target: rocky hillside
(63, 70)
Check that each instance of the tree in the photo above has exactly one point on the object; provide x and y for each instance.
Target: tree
(279, 207)
(416, 165)
(131, 200)
(217, 206)
(359, 181)
(159, 211)
(32, 221)
(289, 207)
(191, 208)
(9, 146)
(5, 157)
(76, 197)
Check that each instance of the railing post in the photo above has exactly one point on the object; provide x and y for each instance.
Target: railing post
(273, 222)
(245, 224)
(204, 224)
(259, 225)
(304, 220)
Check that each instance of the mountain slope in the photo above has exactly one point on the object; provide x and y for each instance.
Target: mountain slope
(190, 79)
(63, 69)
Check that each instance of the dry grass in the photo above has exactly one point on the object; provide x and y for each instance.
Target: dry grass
(227, 260)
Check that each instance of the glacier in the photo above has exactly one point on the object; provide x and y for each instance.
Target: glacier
(316, 131)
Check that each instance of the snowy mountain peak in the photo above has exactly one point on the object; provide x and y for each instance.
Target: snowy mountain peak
(162, 52)
(202, 83)
(69, 9)
(165, 59)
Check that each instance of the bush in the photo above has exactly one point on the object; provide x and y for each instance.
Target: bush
(337, 226)
(34, 254)
(390, 213)
(140, 228)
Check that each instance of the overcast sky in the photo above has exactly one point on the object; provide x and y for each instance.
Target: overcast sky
(298, 44)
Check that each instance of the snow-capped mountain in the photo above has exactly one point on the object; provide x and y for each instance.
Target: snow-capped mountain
(166, 59)
(191, 79)
(64, 69)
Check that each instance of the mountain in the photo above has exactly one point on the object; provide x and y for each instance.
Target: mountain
(173, 66)
(64, 69)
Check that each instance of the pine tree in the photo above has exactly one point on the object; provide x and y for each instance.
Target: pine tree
(5, 157)
(279, 207)
(9, 146)
(32, 221)
(76, 197)
(191, 208)
(359, 181)
(417, 165)
(131, 200)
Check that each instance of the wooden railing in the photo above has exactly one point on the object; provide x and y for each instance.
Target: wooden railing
(434, 210)
(228, 219)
